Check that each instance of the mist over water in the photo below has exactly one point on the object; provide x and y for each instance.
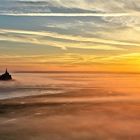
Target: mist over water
(70, 106)
(28, 84)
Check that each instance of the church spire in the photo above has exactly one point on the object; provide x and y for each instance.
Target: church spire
(6, 71)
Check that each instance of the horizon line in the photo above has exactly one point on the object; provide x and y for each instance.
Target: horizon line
(85, 72)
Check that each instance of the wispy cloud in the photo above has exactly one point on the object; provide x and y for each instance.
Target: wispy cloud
(67, 37)
(92, 5)
(130, 58)
(72, 59)
(71, 8)
(69, 14)
(43, 38)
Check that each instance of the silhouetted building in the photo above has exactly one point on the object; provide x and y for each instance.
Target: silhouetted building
(6, 76)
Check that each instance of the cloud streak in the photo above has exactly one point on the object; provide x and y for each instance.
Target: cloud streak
(69, 14)
(73, 59)
(70, 8)
(64, 42)
(68, 37)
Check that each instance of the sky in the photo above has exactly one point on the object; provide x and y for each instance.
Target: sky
(70, 35)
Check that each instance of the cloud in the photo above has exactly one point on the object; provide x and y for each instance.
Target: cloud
(70, 8)
(66, 58)
(93, 5)
(60, 40)
(125, 59)
(71, 59)
(67, 14)
(66, 37)
(125, 21)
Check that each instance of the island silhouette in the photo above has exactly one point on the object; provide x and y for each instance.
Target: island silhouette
(6, 76)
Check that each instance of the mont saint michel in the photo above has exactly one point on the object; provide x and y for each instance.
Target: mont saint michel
(6, 76)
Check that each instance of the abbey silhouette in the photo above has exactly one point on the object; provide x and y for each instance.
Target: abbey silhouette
(6, 76)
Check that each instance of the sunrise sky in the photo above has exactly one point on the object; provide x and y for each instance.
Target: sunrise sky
(73, 35)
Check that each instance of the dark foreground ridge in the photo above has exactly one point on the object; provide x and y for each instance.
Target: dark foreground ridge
(6, 76)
